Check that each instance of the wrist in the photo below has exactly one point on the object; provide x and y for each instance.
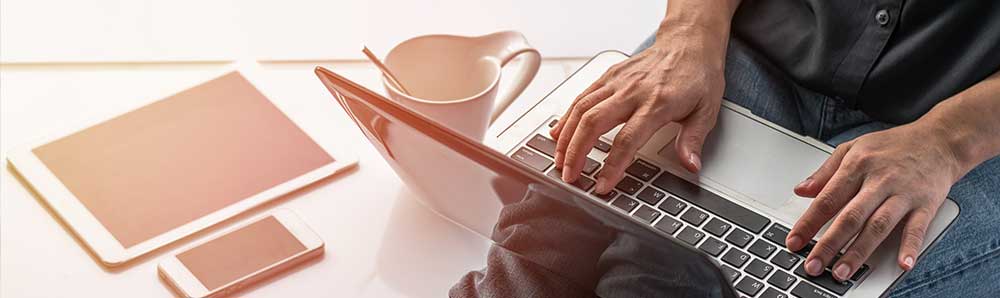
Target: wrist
(694, 37)
(957, 139)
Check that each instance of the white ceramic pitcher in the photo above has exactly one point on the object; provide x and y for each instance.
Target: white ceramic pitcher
(453, 79)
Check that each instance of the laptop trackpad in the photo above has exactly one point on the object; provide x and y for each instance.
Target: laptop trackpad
(757, 163)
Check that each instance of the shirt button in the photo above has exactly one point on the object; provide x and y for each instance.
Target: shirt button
(882, 17)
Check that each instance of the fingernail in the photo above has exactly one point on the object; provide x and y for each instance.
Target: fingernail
(908, 262)
(842, 272)
(566, 174)
(695, 161)
(813, 267)
(602, 185)
(793, 242)
(805, 183)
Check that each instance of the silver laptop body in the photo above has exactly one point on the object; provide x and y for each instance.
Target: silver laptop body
(748, 161)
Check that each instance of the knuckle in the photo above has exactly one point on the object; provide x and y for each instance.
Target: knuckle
(854, 162)
(852, 219)
(853, 255)
(880, 224)
(626, 137)
(826, 205)
(579, 109)
(592, 117)
(825, 249)
(843, 146)
(913, 238)
(694, 138)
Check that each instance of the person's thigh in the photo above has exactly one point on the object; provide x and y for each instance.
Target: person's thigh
(965, 262)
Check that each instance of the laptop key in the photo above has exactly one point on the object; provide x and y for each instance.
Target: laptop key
(690, 235)
(643, 170)
(602, 146)
(758, 268)
(772, 293)
(805, 290)
(625, 203)
(713, 246)
(731, 273)
(694, 216)
(531, 159)
(861, 272)
(590, 166)
(716, 227)
(583, 183)
(825, 280)
(749, 286)
(672, 206)
(785, 259)
(736, 258)
(807, 249)
(777, 234)
(712, 203)
(629, 185)
(762, 249)
(668, 225)
(606, 197)
(782, 280)
(543, 144)
(739, 238)
(646, 213)
(650, 195)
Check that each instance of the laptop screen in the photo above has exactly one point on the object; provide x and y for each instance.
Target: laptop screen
(547, 240)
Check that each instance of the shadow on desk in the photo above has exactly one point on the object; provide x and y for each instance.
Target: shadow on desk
(423, 254)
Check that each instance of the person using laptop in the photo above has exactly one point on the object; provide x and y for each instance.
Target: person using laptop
(908, 91)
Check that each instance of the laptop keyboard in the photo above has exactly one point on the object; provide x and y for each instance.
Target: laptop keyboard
(749, 247)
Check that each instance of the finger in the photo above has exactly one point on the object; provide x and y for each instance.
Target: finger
(847, 223)
(598, 120)
(556, 130)
(573, 118)
(633, 135)
(876, 229)
(842, 186)
(914, 231)
(811, 186)
(691, 138)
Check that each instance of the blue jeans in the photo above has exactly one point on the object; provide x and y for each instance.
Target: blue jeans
(965, 262)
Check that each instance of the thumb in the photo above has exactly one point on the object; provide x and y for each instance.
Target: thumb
(691, 138)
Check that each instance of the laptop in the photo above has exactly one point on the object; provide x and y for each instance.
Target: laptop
(722, 229)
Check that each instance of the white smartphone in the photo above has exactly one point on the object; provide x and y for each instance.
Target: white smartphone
(244, 255)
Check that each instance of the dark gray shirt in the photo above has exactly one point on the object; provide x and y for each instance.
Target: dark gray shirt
(892, 59)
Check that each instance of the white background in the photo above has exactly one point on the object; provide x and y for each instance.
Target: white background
(146, 30)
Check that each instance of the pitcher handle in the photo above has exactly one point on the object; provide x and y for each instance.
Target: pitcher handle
(507, 46)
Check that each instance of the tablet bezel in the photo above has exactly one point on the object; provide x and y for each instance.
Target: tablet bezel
(96, 238)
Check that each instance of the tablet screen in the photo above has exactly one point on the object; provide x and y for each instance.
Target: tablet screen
(171, 162)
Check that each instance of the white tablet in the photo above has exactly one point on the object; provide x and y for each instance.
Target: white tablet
(157, 173)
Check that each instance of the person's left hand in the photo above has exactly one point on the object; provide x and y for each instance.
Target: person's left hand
(879, 180)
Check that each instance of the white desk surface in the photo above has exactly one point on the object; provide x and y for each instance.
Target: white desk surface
(380, 242)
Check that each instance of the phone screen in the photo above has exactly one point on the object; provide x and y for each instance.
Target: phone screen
(241, 252)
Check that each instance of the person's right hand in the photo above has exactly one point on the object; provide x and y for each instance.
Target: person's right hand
(678, 79)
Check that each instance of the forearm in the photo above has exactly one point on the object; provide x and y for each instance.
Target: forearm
(704, 22)
(970, 123)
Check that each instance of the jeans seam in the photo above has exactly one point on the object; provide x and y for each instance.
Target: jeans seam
(822, 117)
(982, 258)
